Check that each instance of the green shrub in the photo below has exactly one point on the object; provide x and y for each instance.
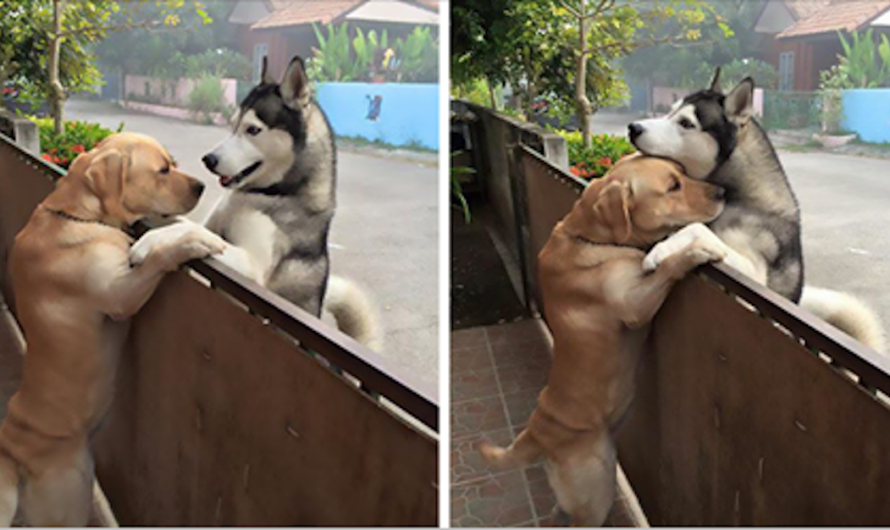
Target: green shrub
(595, 160)
(206, 97)
(77, 137)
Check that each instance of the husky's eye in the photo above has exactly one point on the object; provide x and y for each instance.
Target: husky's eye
(252, 130)
(675, 186)
(686, 123)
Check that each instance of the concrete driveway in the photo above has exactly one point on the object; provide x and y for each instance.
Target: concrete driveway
(384, 235)
(845, 204)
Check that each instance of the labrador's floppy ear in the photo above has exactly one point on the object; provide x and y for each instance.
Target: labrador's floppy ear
(739, 103)
(611, 211)
(105, 177)
(295, 84)
(266, 78)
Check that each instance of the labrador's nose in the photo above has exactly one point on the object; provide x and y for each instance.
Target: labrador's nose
(634, 130)
(211, 161)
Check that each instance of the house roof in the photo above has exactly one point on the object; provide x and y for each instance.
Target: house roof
(837, 16)
(296, 12)
(804, 8)
(289, 13)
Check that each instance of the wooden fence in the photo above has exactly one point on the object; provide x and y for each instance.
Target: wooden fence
(225, 414)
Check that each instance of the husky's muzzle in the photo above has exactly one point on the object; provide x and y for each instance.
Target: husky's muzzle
(211, 162)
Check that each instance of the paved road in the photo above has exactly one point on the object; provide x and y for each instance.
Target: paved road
(384, 235)
(845, 202)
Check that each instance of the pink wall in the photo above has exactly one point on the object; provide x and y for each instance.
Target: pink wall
(177, 90)
(663, 96)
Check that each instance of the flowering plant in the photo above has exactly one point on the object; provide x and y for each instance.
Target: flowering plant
(76, 138)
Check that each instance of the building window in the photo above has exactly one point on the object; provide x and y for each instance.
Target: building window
(260, 50)
(786, 71)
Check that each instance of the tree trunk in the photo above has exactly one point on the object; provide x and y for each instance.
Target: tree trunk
(56, 90)
(494, 103)
(585, 109)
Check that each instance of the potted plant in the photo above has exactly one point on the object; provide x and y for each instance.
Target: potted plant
(833, 82)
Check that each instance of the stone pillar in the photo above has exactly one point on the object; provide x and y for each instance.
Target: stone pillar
(27, 135)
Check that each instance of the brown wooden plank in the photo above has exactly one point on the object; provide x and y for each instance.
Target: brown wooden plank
(219, 421)
(745, 426)
(24, 182)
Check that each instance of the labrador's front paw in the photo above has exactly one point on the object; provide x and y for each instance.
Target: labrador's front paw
(679, 242)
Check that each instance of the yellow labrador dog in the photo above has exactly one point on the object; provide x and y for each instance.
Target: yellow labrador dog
(599, 303)
(74, 289)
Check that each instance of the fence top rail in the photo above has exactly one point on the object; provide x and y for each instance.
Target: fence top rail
(872, 367)
(376, 373)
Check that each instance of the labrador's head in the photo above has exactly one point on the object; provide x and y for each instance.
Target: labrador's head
(644, 199)
(134, 177)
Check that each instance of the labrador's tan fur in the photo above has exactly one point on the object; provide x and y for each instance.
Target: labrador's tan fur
(74, 289)
(598, 303)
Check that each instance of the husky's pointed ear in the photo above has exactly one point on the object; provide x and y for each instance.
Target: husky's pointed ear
(266, 78)
(739, 103)
(715, 81)
(295, 84)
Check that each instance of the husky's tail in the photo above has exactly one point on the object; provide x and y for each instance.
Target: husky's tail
(846, 313)
(353, 311)
(524, 451)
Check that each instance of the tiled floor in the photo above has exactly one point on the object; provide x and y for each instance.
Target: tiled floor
(496, 375)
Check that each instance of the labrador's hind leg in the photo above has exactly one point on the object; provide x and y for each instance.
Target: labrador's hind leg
(62, 494)
(584, 483)
(9, 491)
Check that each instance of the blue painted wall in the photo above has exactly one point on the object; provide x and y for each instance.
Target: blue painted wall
(395, 113)
(867, 113)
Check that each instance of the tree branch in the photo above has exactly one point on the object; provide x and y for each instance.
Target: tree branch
(118, 27)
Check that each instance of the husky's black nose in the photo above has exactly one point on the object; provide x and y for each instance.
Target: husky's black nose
(210, 161)
(198, 187)
(719, 194)
(634, 130)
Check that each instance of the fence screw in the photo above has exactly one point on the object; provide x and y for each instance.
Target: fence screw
(800, 426)
(292, 431)
(206, 355)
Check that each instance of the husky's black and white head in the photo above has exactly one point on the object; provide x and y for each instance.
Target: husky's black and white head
(701, 131)
(270, 132)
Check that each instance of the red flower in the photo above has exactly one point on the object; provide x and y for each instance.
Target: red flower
(78, 148)
(52, 151)
(64, 161)
(46, 157)
(55, 160)
(605, 161)
(575, 171)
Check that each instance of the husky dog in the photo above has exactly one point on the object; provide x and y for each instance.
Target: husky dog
(279, 166)
(715, 137)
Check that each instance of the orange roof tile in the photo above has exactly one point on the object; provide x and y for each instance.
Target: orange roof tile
(296, 12)
(838, 16)
(805, 8)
